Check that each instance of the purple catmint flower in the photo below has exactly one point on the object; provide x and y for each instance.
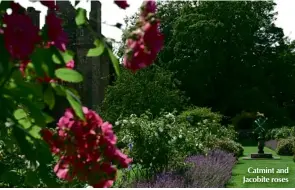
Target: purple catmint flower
(207, 171)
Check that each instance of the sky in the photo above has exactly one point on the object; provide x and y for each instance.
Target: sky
(111, 14)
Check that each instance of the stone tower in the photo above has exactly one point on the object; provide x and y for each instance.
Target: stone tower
(34, 15)
(96, 70)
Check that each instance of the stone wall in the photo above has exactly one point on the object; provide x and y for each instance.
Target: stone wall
(96, 70)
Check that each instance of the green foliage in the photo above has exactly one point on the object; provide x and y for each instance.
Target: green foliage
(281, 133)
(197, 114)
(115, 61)
(97, 51)
(228, 146)
(149, 89)
(285, 147)
(238, 44)
(162, 141)
(68, 75)
(25, 159)
(81, 18)
(244, 120)
(207, 123)
(156, 142)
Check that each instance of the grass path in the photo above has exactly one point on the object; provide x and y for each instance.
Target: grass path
(241, 170)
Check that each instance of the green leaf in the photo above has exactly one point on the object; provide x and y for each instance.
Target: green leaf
(11, 177)
(97, 51)
(60, 90)
(66, 56)
(19, 114)
(25, 122)
(81, 17)
(31, 88)
(74, 91)
(41, 59)
(48, 118)
(68, 75)
(34, 112)
(49, 97)
(75, 105)
(32, 179)
(115, 61)
(35, 131)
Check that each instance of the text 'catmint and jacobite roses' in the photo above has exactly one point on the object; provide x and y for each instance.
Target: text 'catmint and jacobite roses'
(87, 149)
(144, 43)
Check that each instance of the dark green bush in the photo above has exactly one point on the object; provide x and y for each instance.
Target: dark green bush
(16, 171)
(151, 89)
(198, 114)
(244, 120)
(229, 146)
(286, 147)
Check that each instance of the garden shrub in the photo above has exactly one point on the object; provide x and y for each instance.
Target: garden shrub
(133, 93)
(207, 171)
(164, 140)
(285, 147)
(199, 114)
(156, 142)
(211, 171)
(229, 146)
(244, 120)
(164, 180)
(280, 133)
(204, 121)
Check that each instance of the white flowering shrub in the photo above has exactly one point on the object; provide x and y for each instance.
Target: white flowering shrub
(156, 143)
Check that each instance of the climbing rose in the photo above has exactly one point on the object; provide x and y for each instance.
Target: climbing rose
(152, 38)
(138, 56)
(144, 44)
(20, 35)
(148, 7)
(70, 64)
(86, 149)
(122, 4)
(55, 32)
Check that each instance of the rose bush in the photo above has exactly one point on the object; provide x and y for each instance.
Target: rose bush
(35, 65)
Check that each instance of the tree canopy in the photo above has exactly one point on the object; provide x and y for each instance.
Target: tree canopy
(229, 56)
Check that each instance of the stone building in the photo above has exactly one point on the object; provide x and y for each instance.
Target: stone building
(96, 70)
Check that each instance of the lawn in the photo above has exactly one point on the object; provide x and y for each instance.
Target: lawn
(241, 170)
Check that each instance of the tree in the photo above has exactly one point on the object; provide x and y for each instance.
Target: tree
(151, 89)
(229, 55)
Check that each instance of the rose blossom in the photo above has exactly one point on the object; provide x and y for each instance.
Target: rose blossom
(86, 149)
(55, 32)
(146, 41)
(20, 35)
(122, 4)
